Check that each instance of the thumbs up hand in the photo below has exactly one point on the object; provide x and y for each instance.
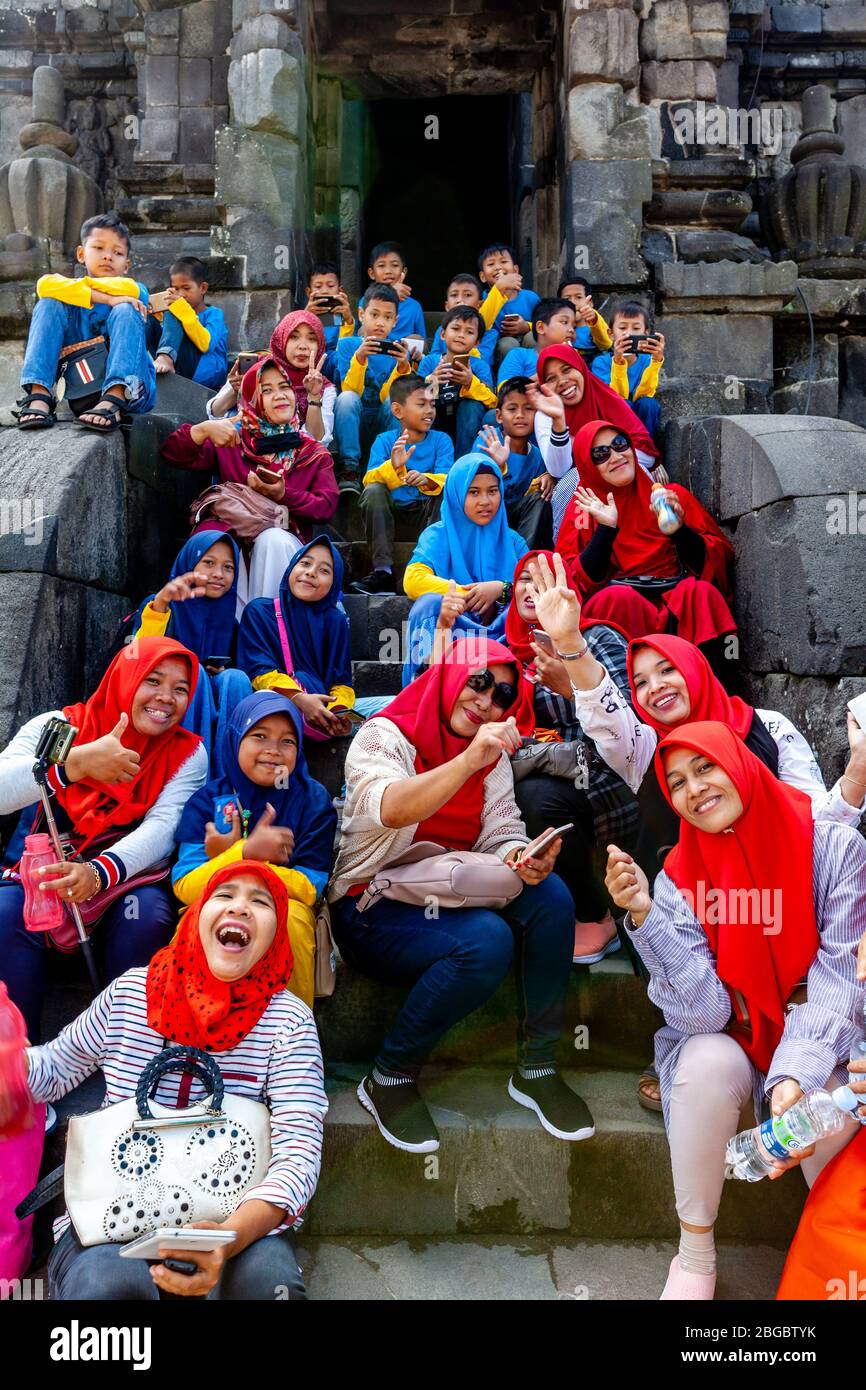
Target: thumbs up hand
(105, 759)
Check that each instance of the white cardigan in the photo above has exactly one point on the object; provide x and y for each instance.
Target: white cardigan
(379, 755)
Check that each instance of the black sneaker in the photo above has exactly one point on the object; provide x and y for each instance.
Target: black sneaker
(379, 582)
(558, 1107)
(350, 482)
(401, 1114)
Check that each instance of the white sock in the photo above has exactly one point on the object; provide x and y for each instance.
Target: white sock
(697, 1251)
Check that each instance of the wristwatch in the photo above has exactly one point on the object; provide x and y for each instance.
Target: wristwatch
(505, 596)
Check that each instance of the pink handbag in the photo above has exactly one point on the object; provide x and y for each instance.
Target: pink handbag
(246, 512)
(427, 872)
(19, 1169)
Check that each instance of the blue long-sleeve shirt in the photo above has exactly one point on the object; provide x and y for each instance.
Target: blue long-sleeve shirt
(519, 361)
(523, 304)
(213, 365)
(480, 368)
(433, 454)
(522, 468)
(603, 364)
(485, 347)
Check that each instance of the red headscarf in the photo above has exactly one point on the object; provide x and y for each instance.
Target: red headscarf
(599, 402)
(280, 336)
(768, 849)
(94, 807)
(423, 713)
(708, 699)
(639, 548)
(254, 423)
(187, 1004)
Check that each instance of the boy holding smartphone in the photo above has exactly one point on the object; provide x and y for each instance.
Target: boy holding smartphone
(367, 363)
(327, 299)
(507, 307)
(592, 333)
(633, 365)
(460, 377)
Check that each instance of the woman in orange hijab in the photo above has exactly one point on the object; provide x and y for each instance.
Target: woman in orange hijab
(754, 900)
(118, 797)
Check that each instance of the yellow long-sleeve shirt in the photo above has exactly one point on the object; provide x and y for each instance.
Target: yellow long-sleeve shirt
(491, 306)
(647, 386)
(342, 695)
(386, 473)
(356, 377)
(152, 624)
(191, 324)
(77, 291)
(600, 333)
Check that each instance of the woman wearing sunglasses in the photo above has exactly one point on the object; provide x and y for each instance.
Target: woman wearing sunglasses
(626, 569)
(434, 766)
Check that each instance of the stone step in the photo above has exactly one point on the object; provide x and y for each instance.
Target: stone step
(498, 1172)
(376, 625)
(377, 677)
(358, 560)
(610, 1021)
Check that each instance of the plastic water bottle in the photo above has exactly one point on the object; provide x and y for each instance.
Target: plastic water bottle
(43, 910)
(750, 1155)
(16, 1102)
(667, 519)
(858, 1053)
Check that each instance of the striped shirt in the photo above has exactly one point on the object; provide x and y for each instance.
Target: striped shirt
(819, 1036)
(279, 1061)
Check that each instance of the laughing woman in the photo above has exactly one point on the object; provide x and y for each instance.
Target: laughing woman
(202, 991)
(119, 797)
(756, 901)
(471, 548)
(264, 806)
(627, 570)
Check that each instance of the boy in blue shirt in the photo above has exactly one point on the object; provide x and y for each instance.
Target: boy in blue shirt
(553, 321)
(103, 301)
(467, 289)
(507, 306)
(368, 364)
(593, 334)
(527, 485)
(387, 267)
(405, 478)
(634, 375)
(191, 337)
(460, 377)
(327, 299)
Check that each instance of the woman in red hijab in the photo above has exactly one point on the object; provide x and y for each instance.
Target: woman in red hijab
(298, 348)
(435, 766)
(220, 986)
(118, 797)
(628, 571)
(758, 908)
(585, 398)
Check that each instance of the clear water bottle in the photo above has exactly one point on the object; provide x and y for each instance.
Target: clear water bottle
(858, 1053)
(751, 1154)
(667, 519)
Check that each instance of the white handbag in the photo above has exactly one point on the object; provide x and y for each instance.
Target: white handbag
(137, 1165)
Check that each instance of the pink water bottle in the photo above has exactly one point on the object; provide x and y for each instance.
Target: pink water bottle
(43, 910)
(16, 1102)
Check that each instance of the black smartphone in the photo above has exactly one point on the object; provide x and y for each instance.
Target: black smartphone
(390, 349)
(218, 661)
(328, 302)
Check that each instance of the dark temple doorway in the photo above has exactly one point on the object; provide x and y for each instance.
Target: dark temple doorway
(444, 198)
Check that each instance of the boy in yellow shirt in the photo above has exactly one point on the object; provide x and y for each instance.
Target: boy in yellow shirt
(634, 362)
(103, 301)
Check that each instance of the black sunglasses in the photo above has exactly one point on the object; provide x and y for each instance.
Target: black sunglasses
(503, 695)
(600, 453)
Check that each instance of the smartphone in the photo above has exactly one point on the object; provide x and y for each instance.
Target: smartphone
(218, 661)
(178, 1238)
(329, 303)
(857, 706)
(544, 640)
(539, 845)
(351, 714)
(267, 475)
(461, 359)
(635, 340)
(250, 354)
(390, 349)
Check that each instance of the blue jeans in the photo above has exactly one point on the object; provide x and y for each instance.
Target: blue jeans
(455, 963)
(55, 326)
(129, 933)
(422, 623)
(268, 1269)
(168, 338)
(649, 412)
(357, 421)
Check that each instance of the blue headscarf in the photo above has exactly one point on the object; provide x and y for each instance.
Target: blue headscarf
(318, 632)
(205, 625)
(303, 804)
(457, 548)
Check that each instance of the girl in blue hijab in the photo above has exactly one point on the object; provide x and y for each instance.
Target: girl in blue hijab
(299, 641)
(197, 608)
(264, 806)
(468, 555)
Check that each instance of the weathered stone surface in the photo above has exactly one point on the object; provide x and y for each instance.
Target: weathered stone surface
(49, 96)
(195, 81)
(603, 44)
(258, 170)
(851, 120)
(266, 93)
(716, 207)
(601, 218)
(678, 80)
(768, 283)
(158, 139)
(264, 31)
(11, 362)
(796, 19)
(712, 246)
(45, 133)
(161, 77)
(602, 125)
(252, 315)
(717, 345)
(675, 29)
(852, 400)
(205, 28)
(196, 135)
(816, 706)
(844, 22)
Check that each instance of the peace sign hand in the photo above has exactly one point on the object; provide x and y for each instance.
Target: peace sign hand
(314, 381)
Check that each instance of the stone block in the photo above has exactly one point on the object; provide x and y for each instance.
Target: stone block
(770, 460)
(603, 44)
(851, 121)
(16, 306)
(601, 218)
(852, 399)
(161, 82)
(678, 81)
(251, 315)
(675, 30)
(818, 397)
(717, 346)
(196, 135)
(816, 706)
(264, 31)
(266, 93)
(759, 287)
(11, 362)
(243, 10)
(205, 29)
(602, 125)
(158, 139)
(710, 247)
(797, 19)
(162, 24)
(195, 82)
(220, 82)
(49, 96)
(844, 22)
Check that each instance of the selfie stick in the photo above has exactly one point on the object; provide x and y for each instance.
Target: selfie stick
(40, 774)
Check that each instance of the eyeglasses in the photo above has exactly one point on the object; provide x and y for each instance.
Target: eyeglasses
(503, 695)
(602, 452)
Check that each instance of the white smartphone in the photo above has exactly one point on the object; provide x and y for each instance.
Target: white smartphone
(175, 1238)
(539, 845)
(857, 706)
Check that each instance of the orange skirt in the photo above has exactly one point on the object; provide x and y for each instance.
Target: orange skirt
(827, 1259)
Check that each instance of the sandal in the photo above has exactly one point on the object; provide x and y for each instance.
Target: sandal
(29, 419)
(649, 1091)
(107, 409)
